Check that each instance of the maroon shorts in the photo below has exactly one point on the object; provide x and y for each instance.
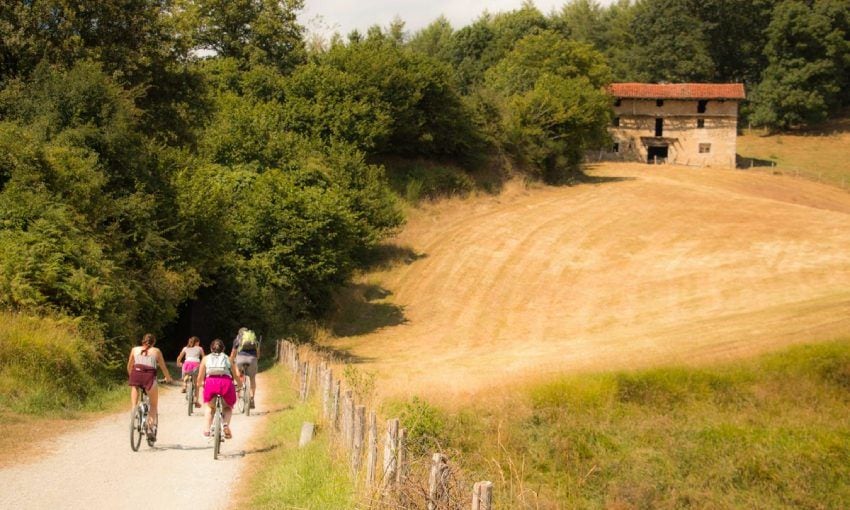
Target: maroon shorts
(143, 376)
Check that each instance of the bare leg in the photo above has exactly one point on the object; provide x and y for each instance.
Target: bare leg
(253, 386)
(134, 397)
(228, 412)
(208, 412)
(154, 396)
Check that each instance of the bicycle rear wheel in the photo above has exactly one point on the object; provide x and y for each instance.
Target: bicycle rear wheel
(246, 396)
(240, 400)
(190, 395)
(136, 429)
(216, 433)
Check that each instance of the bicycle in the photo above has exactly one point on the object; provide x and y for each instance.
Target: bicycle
(190, 390)
(217, 425)
(139, 422)
(244, 397)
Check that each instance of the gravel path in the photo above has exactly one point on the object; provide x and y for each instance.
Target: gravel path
(94, 467)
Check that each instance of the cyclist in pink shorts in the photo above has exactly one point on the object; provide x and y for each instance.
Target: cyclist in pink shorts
(217, 376)
(189, 360)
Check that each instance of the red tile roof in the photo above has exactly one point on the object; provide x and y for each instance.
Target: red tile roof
(678, 90)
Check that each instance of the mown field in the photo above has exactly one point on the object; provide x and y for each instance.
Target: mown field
(657, 337)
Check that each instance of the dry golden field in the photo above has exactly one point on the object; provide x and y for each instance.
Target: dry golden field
(646, 265)
(822, 154)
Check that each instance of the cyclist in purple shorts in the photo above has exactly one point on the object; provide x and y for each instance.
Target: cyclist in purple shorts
(189, 360)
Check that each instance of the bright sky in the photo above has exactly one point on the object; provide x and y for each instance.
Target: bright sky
(343, 16)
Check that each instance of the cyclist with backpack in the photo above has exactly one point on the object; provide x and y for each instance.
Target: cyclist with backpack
(246, 352)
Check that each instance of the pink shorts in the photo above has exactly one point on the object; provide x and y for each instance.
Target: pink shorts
(190, 366)
(220, 385)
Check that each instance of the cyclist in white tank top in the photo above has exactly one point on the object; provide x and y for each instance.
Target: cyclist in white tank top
(188, 360)
(141, 369)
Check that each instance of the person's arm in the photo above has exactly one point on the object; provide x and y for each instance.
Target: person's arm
(202, 373)
(130, 363)
(233, 352)
(161, 361)
(235, 375)
(180, 357)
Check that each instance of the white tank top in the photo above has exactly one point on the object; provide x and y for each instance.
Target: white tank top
(193, 353)
(148, 360)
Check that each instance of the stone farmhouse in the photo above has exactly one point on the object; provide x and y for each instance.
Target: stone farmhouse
(692, 124)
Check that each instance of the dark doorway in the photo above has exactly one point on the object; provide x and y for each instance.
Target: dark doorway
(657, 154)
(659, 127)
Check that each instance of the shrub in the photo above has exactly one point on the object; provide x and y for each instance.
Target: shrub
(48, 364)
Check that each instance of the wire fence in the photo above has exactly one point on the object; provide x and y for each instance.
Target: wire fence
(385, 473)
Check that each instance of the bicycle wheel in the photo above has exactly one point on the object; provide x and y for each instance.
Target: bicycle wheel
(136, 429)
(190, 395)
(240, 399)
(246, 396)
(216, 433)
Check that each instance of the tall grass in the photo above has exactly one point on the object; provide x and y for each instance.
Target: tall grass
(51, 364)
(769, 433)
(289, 477)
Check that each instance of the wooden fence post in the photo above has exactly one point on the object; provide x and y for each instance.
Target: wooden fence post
(390, 449)
(437, 480)
(302, 379)
(328, 392)
(348, 419)
(401, 456)
(335, 407)
(372, 453)
(482, 496)
(357, 442)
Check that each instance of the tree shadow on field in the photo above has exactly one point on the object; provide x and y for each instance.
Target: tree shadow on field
(271, 411)
(745, 162)
(238, 454)
(389, 255)
(584, 178)
(341, 356)
(360, 309)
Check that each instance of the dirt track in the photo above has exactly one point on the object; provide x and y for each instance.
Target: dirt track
(646, 266)
(95, 468)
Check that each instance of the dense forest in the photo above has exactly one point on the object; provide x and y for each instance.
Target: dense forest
(154, 152)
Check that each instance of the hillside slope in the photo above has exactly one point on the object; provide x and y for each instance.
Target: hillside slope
(646, 266)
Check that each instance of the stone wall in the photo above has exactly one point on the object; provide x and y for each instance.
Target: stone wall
(681, 131)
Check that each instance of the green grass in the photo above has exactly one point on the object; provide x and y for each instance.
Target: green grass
(52, 365)
(296, 478)
(770, 433)
(819, 154)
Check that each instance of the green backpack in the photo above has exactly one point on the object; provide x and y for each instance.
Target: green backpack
(248, 342)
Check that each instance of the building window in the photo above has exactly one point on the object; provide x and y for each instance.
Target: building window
(659, 127)
(616, 121)
(659, 102)
(704, 148)
(616, 147)
(700, 123)
(618, 102)
(702, 104)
